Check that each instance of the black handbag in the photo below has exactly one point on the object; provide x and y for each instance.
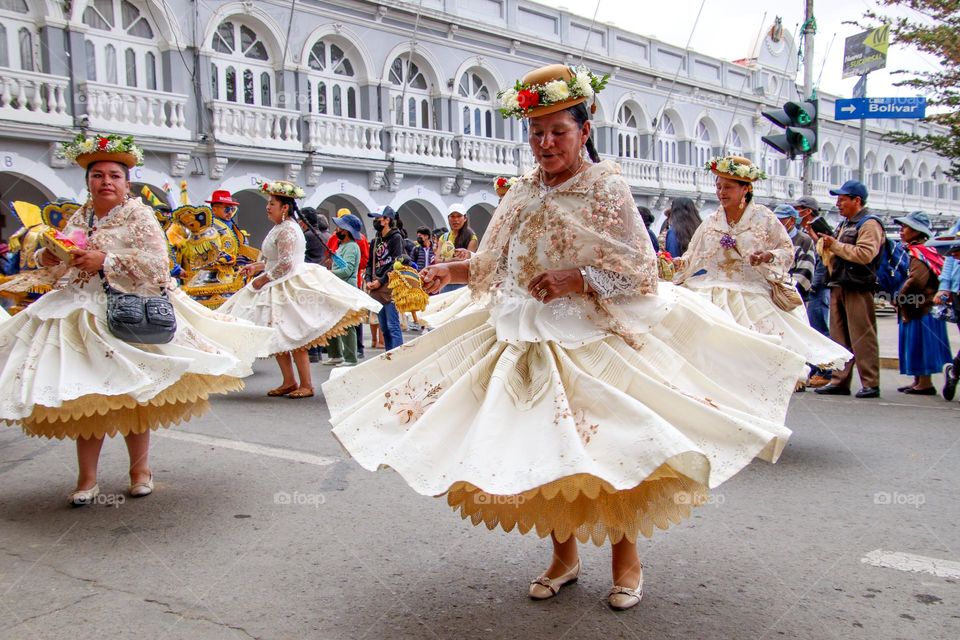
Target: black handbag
(140, 319)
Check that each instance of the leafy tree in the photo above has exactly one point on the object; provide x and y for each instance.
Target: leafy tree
(939, 35)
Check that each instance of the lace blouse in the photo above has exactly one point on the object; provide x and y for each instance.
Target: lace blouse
(283, 250)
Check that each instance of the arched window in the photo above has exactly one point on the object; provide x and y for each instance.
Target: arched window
(628, 137)
(17, 35)
(476, 115)
(826, 164)
(330, 66)
(4, 57)
(735, 146)
(244, 56)
(26, 49)
(704, 149)
(407, 79)
(130, 59)
(123, 24)
(667, 143)
(111, 63)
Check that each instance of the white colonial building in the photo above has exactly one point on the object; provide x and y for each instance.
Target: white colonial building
(367, 103)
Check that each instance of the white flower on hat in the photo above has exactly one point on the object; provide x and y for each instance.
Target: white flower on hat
(508, 99)
(582, 80)
(557, 90)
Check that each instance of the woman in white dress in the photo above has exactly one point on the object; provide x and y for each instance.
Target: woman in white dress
(63, 374)
(579, 401)
(304, 302)
(741, 256)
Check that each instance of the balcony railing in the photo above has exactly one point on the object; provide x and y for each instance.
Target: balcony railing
(423, 146)
(36, 98)
(254, 126)
(486, 155)
(135, 111)
(344, 137)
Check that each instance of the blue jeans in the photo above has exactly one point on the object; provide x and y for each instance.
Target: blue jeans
(452, 287)
(390, 326)
(818, 311)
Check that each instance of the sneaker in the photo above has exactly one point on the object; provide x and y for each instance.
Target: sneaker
(332, 361)
(818, 381)
(346, 364)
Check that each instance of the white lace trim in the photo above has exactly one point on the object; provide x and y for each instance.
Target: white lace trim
(606, 284)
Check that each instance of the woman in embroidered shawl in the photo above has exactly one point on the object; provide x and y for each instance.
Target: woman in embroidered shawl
(64, 375)
(738, 254)
(304, 302)
(578, 400)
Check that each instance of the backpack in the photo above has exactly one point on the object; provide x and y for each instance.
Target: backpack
(892, 262)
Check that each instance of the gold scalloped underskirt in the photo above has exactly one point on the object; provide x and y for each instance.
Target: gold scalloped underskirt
(352, 319)
(585, 507)
(98, 416)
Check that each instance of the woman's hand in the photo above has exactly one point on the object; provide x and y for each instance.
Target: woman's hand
(462, 254)
(89, 261)
(760, 257)
(550, 285)
(252, 269)
(942, 297)
(259, 282)
(47, 258)
(373, 285)
(435, 277)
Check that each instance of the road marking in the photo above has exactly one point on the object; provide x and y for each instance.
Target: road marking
(912, 562)
(248, 447)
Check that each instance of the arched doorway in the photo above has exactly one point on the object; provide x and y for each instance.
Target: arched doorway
(136, 189)
(332, 204)
(252, 216)
(13, 187)
(417, 213)
(479, 218)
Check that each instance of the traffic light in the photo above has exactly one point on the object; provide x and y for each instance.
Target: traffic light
(799, 121)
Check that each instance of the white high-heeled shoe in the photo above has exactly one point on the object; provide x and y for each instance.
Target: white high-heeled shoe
(622, 598)
(83, 497)
(142, 489)
(543, 587)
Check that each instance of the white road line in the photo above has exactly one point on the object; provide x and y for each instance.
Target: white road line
(248, 447)
(912, 562)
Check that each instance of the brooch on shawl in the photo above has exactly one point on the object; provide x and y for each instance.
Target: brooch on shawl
(727, 241)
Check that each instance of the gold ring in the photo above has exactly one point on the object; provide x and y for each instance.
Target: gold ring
(542, 294)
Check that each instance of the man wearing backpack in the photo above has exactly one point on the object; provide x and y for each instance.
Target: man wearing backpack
(852, 255)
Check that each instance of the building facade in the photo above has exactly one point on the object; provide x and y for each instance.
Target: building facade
(383, 102)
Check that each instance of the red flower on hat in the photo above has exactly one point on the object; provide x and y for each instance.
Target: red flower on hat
(528, 99)
(102, 143)
(501, 182)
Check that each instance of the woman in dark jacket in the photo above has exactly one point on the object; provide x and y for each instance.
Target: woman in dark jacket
(924, 347)
(684, 220)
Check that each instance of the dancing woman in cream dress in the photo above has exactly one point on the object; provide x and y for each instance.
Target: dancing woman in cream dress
(64, 375)
(581, 401)
(305, 303)
(737, 254)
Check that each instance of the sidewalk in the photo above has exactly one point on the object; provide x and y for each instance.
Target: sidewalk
(887, 334)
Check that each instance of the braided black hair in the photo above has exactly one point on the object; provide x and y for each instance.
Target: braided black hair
(581, 115)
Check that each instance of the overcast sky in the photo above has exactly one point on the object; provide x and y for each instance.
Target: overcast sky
(728, 29)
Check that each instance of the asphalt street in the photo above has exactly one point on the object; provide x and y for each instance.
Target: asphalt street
(261, 527)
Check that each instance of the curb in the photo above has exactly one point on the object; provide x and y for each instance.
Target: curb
(890, 362)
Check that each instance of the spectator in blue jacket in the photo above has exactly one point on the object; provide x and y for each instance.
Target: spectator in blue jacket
(948, 293)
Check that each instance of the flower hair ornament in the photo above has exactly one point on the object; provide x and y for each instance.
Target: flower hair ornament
(282, 188)
(85, 150)
(502, 184)
(549, 89)
(736, 168)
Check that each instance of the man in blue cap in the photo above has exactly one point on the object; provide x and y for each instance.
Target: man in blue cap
(386, 248)
(851, 254)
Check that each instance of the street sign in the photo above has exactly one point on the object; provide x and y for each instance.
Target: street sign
(871, 108)
(860, 89)
(866, 52)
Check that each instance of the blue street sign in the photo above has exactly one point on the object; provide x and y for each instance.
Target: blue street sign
(871, 108)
